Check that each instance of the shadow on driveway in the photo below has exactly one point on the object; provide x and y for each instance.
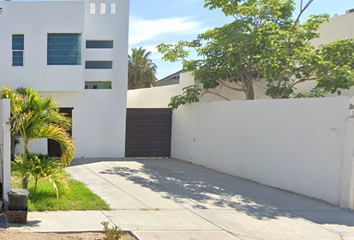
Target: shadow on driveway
(201, 188)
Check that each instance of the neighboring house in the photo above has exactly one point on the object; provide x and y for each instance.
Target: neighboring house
(77, 52)
(338, 27)
(170, 80)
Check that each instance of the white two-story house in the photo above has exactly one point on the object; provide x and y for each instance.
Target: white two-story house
(77, 52)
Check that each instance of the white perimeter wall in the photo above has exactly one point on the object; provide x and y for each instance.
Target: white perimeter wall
(5, 153)
(301, 145)
(158, 97)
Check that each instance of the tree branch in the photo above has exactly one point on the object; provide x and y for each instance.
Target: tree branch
(233, 88)
(302, 10)
(217, 94)
(288, 47)
(301, 80)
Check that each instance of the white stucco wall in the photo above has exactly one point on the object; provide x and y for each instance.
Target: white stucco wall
(98, 122)
(339, 27)
(230, 94)
(5, 145)
(35, 20)
(158, 97)
(302, 145)
(36, 146)
(98, 115)
(95, 135)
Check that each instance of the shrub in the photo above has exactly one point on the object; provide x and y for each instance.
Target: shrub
(113, 233)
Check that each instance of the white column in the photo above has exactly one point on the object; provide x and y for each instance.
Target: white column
(6, 146)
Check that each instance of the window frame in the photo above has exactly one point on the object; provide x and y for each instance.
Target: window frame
(99, 68)
(97, 84)
(92, 8)
(90, 41)
(113, 8)
(102, 8)
(18, 50)
(68, 63)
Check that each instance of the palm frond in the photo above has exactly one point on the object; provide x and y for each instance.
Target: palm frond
(56, 133)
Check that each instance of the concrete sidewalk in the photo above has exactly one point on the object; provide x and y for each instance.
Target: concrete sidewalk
(170, 199)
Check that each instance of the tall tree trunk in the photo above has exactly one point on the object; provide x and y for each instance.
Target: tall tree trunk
(249, 90)
(13, 146)
(25, 176)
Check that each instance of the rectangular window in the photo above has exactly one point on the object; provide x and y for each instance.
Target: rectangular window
(98, 64)
(113, 8)
(92, 8)
(103, 8)
(98, 85)
(99, 44)
(17, 49)
(64, 49)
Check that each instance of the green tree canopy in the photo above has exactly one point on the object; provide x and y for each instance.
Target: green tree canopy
(141, 69)
(266, 43)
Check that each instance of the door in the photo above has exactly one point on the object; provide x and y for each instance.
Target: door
(54, 149)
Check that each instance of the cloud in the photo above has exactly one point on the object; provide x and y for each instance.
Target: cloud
(149, 48)
(142, 30)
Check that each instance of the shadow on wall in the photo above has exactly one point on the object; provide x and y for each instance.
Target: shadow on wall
(201, 188)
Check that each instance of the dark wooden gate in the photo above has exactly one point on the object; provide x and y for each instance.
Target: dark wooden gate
(148, 132)
(54, 149)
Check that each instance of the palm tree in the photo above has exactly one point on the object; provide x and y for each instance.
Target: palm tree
(34, 117)
(40, 166)
(141, 69)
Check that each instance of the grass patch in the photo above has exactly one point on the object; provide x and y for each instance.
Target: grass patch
(79, 197)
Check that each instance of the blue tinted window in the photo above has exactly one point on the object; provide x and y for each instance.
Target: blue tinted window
(17, 58)
(98, 65)
(17, 49)
(17, 42)
(64, 49)
(99, 44)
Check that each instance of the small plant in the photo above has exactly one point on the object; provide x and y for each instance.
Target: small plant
(113, 233)
(42, 167)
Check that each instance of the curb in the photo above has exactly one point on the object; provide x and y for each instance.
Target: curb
(136, 235)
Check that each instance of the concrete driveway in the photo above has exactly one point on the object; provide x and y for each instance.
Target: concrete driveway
(171, 199)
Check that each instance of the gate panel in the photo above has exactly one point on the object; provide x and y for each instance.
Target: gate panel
(148, 132)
